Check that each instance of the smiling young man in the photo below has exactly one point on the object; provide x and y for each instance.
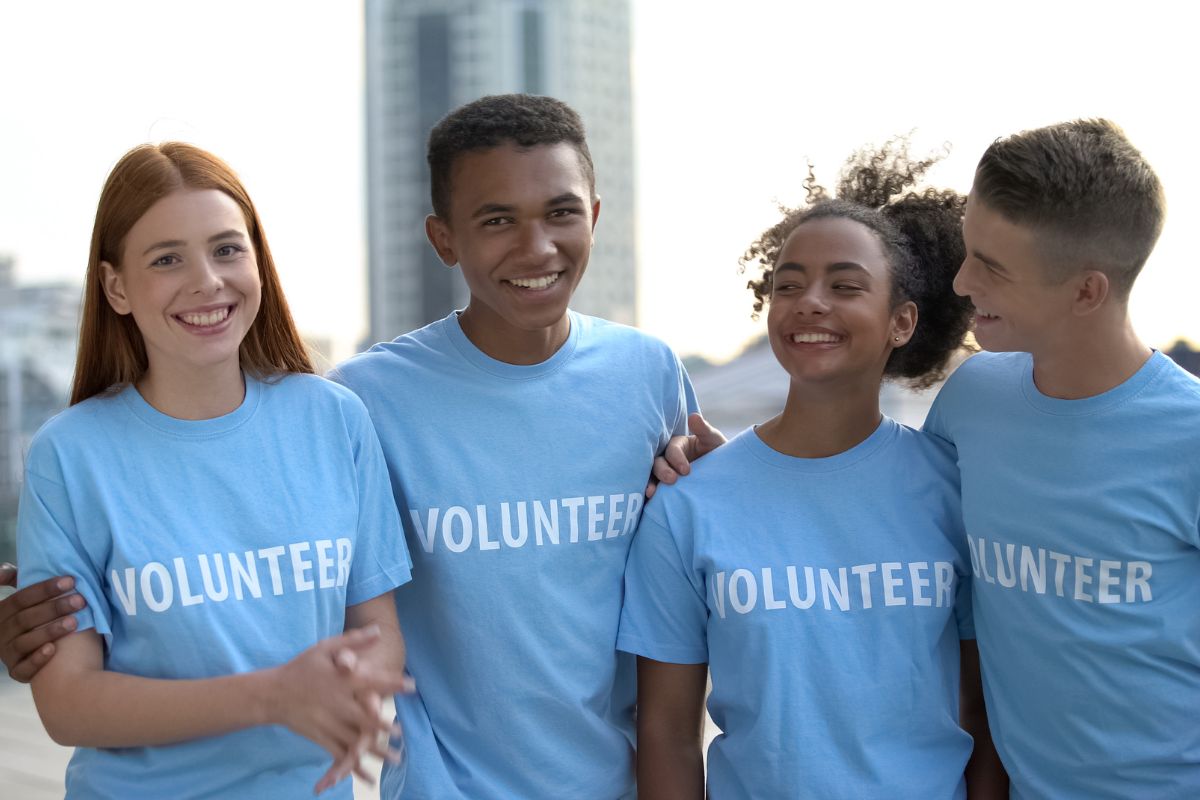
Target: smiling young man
(1077, 445)
(519, 436)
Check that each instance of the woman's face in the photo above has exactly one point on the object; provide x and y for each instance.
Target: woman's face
(830, 319)
(189, 276)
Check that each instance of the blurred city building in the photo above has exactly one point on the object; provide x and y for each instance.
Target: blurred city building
(426, 57)
(38, 330)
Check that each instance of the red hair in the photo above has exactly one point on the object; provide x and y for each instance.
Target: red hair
(111, 351)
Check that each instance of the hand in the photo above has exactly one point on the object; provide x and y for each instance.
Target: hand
(32, 619)
(313, 696)
(350, 664)
(681, 451)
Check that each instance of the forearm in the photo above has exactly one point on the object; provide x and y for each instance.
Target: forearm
(985, 774)
(97, 708)
(669, 767)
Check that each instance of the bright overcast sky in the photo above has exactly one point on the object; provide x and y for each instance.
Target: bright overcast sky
(728, 106)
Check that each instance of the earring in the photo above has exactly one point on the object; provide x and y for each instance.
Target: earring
(896, 338)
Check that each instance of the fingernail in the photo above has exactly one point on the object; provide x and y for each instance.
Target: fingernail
(410, 685)
(76, 601)
(69, 623)
(64, 584)
(48, 650)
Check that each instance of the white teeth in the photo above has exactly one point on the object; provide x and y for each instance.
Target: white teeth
(535, 283)
(206, 320)
(814, 338)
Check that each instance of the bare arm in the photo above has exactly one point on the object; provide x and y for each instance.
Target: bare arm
(32, 619)
(81, 704)
(670, 729)
(986, 778)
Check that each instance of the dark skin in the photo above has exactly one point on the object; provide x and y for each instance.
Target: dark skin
(32, 619)
(670, 729)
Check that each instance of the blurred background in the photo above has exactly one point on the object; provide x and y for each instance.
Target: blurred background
(702, 118)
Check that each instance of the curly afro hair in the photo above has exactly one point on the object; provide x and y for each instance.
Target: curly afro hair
(525, 120)
(921, 234)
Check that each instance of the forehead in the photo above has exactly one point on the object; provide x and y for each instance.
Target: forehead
(187, 211)
(508, 174)
(831, 240)
(986, 228)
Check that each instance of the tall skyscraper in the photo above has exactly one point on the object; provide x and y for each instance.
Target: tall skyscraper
(426, 57)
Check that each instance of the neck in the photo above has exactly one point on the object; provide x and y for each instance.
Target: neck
(1091, 359)
(185, 393)
(818, 422)
(502, 341)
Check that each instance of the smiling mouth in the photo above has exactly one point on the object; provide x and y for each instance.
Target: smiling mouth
(208, 319)
(536, 284)
(815, 338)
(985, 317)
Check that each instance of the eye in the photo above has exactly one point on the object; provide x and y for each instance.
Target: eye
(561, 213)
(229, 251)
(493, 222)
(847, 288)
(168, 260)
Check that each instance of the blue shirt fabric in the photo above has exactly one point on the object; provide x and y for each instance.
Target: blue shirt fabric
(520, 488)
(208, 548)
(828, 597)
(1083, 520)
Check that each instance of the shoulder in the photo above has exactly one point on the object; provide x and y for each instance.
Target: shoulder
(74, 428)
(1180, 382)
(598, 332)
(985, 368)
(422, 347)
(925, 450)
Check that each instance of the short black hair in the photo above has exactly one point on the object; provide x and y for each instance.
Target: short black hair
(1090, 196)
(921, 235)
(525, 120)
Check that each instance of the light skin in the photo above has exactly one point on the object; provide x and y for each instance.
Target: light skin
(520, 227)
(1077, 329)
(832, 326)
(189, 277)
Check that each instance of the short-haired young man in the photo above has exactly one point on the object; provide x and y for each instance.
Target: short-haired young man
(1078, 447)
(519, 436)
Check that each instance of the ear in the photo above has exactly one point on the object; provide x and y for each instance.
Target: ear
(1091, 290)
(438, 233)
(904, 324)
(114, 288)
(595, 213)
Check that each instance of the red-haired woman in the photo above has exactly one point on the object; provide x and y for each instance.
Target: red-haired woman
(225, 514)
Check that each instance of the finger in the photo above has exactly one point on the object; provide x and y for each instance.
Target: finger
(677, 454)
(651, 487)
(27, 644)
(23, 671)
(346, 661)
(663, 472)
(34, 594)
(354, 639)
(708, 437)
(47, 611)
(8, 574)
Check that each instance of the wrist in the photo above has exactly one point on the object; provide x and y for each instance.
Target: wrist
(263, 696)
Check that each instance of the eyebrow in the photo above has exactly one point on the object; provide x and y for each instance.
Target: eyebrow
(991, 262)
(229, 234)
(502, 208)
(840, 266)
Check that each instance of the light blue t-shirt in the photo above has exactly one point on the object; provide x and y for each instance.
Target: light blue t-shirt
(208, 548)
(1083, 518)
(828, 597)
(520, 488)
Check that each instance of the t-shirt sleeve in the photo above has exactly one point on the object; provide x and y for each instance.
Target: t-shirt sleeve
(682, 399)
(935, 420)
(381, 559)
(48, 545)
(664, 617)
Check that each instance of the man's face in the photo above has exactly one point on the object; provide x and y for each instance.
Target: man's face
(520, 226)
(1016, 307)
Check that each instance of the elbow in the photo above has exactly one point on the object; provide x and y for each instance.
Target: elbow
(61, 724)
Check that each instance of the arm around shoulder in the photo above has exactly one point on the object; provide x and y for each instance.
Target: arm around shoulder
(986, 777)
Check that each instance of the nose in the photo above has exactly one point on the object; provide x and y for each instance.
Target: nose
(206, 278)
(536, 245)
(964, 280)
(812, 301)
